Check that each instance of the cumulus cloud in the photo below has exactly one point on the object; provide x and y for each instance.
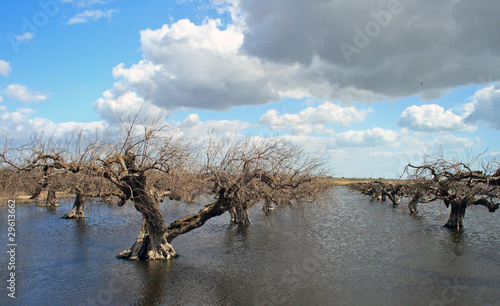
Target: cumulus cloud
(198, 66)
(433, 118)
(91, 15)
(277, 48)
(120, 103)
(312, 119)
(4, 68)
(25, 37)
(23, 94)
(369, 138)
(193, 128)
(306, 129)
(413, 47)
(21, 123)
(451, 143)
(485, 106)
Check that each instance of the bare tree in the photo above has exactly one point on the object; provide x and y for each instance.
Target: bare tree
(247, 171)
(270, 171)
(127, 160)
(452, 181)
(381, 190)
(457, 185)
(40, 156)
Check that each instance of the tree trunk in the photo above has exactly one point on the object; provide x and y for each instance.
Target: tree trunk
(192, 221)
(395, 198)
(240, 214)
(268, 206)
(394, 194)
(457, 213)
(151, 243)
(50, 200)
(77, 212)
(413, 204)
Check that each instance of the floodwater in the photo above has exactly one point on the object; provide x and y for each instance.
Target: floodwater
(353, 251)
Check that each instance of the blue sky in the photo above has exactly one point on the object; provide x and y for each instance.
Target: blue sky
(373, 85)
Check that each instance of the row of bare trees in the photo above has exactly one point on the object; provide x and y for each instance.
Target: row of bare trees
(453, 182)
(143, 163)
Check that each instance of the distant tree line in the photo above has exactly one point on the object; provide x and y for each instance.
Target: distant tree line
(455, 183)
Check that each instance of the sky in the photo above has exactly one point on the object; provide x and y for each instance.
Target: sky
(371, 85)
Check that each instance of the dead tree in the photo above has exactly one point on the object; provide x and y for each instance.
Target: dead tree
(127, 161)
(247, 171)
(86, 188)
(381, 190)
(40, 156)
(457, 185)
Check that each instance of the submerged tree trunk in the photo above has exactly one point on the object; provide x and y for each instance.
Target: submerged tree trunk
(413, 204)
(50, 200)
(394, 194)
(457, 213)
(151, 242)
(240, 214)
(77, 212)
(268, 206)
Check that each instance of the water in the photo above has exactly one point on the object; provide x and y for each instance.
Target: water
(353, 251)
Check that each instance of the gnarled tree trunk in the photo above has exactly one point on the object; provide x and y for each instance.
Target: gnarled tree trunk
(268, 206)
(413, 204)
(50, 200)
(457, 213)
(240, 214)
(192, 221)
(77, 212)
(151, 242)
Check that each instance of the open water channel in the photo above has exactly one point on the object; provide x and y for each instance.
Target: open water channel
(353, 251)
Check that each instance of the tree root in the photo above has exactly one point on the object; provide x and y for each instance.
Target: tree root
(146, 247)
(74, 214)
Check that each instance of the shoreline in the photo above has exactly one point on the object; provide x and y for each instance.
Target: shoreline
(25, 198)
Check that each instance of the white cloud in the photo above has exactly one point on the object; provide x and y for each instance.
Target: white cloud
(326, 113)
(122, 103)
(451, 143)
(197, 66)
(485, 106)
(306, 129)
(16, 118)
(4, 68)
(23, 94)
(433, 118)
(369, 138)
(91, 15)
(194, 129)
(25, 37)
(20, 123)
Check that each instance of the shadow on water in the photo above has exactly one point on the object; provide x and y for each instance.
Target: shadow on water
(154, 278)
(236, 236)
